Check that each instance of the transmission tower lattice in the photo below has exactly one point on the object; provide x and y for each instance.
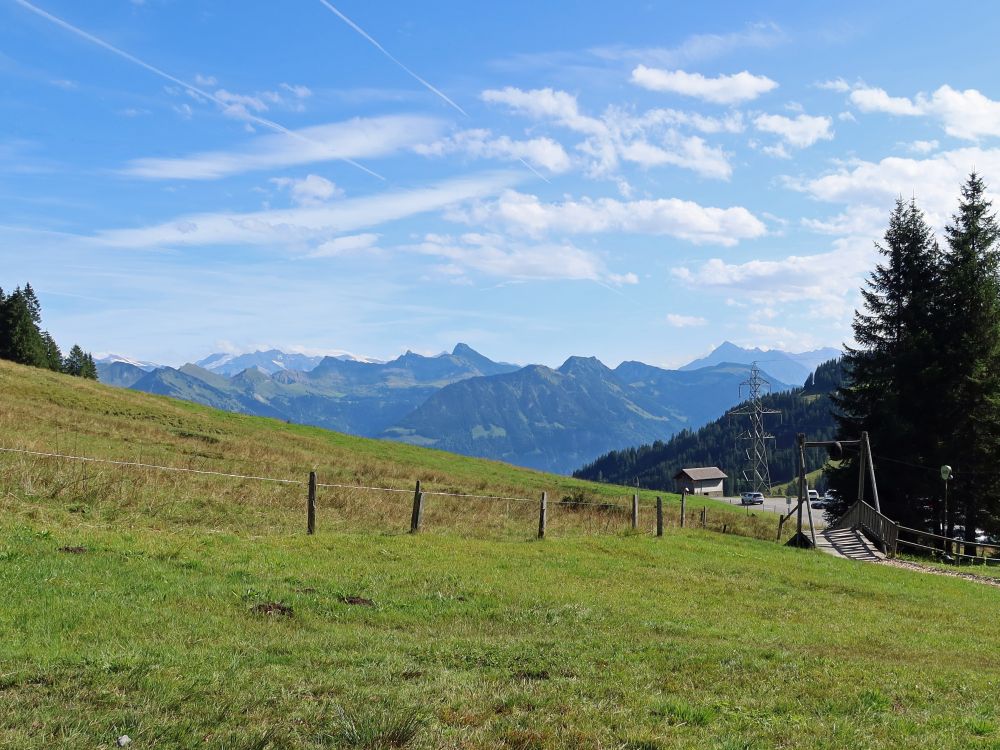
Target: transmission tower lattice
(756, 474)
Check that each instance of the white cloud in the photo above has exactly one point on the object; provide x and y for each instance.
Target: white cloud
(690, 152)
(650, 139)
(686, 220)
(351, 243)
(837, 84)
(546, 104)
(877, 100)
(934, 181)
(922, 147)
(724, 89)
(354, 139)
(801, 131)
(699, 47)
(495, 255)
(860, 221)
(297, 90)
(203, 80)
(822, 285)
(685, 321)
(969, 114)
(539, 152)
(293, 226)
(311, 190)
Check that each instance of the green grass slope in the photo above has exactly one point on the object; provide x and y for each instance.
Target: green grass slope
(140, 608)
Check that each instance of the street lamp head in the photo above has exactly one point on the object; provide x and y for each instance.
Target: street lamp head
(946, 472)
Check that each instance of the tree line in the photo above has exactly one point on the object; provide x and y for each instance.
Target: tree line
(923, 377)
(804, 409)
(23, 340)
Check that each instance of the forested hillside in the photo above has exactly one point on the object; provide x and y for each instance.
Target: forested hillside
(805, 409)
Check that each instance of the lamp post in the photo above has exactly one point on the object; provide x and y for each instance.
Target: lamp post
(945, 475)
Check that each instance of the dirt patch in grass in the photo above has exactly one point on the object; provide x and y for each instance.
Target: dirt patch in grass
(73, 550)
(357, 601)
(276, 609)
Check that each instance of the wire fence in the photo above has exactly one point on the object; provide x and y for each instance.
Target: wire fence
(144, 499)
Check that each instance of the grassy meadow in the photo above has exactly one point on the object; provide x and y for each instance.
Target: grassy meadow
(192, 611)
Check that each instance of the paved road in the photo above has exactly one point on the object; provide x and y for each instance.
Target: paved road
(779, 506)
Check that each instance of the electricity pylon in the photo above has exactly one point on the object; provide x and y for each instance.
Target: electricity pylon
(757, 473)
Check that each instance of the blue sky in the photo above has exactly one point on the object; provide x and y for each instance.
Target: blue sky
(631, 181)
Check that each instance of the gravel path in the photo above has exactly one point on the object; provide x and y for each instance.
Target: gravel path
(988, 580)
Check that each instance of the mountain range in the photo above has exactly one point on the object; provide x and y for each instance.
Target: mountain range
(787, 367)
(557, 420)
(460, 401)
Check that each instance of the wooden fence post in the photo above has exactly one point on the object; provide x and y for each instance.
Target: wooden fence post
(659, 516)
(542, 508)
(682, 508)
(418, 509)
(704, 518)
(635, 511)
(311, 507)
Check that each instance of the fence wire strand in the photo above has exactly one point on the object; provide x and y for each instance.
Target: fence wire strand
(142, 465)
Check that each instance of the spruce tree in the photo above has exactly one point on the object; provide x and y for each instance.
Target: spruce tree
(53, 357)
(970, 349)
(75, 361)
(20, 339)
(89, 369)
(887, 372)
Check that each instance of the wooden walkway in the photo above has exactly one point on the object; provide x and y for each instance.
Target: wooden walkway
(849, 543)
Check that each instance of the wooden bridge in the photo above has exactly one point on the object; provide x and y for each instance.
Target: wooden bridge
(862, 533)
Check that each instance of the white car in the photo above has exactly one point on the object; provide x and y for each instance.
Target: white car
(752, 498)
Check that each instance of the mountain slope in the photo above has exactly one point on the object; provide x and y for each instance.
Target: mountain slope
(120, 373)
(805, 409)
(557, 419)
(786, 366)
(348, 395)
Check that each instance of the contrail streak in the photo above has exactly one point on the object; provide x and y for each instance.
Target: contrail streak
(537, 173)
(386, 52)
(184, 84)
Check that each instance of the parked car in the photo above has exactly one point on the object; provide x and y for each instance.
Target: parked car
(752, 498)
(815, 501)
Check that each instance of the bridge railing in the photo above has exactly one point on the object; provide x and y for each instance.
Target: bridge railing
(880, 528)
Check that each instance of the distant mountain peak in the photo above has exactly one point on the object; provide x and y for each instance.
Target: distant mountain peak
(110, 359)
(789, 367)
(577, 364)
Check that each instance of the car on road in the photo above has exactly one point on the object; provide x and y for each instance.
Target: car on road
(752, 498)
(815, 501)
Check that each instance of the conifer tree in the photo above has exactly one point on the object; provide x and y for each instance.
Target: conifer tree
(53, 357)
(89, 369)
(970, 358)
(887, 370)
(75, 361)
(20, 339)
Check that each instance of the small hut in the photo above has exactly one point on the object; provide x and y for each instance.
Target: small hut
(704, 480)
